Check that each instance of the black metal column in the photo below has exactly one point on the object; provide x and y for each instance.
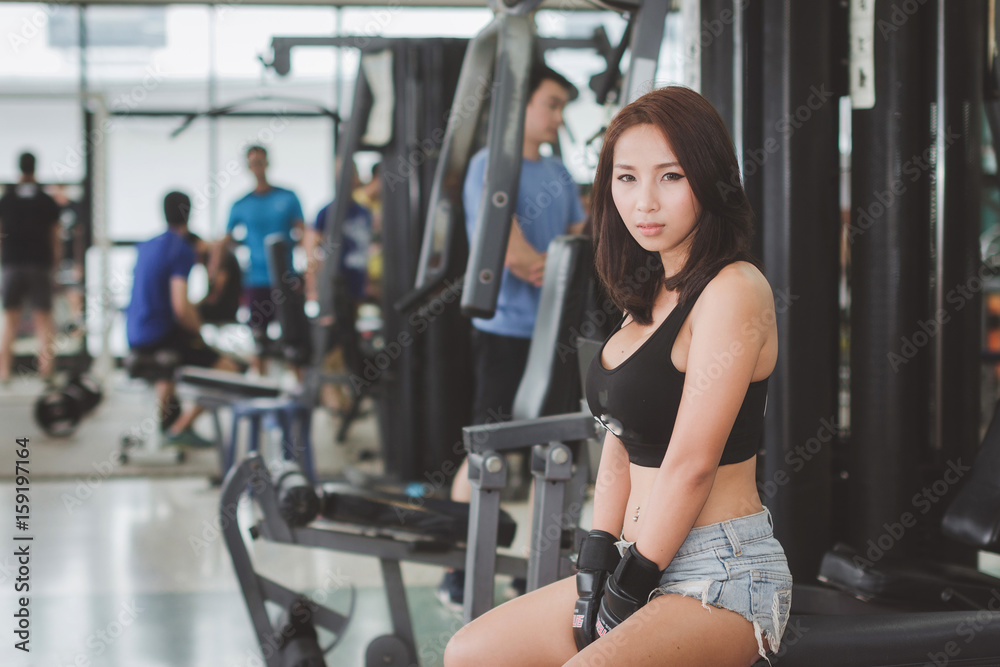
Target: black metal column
(717, 34)
(797, 159)
(956, 301)
(890, 277)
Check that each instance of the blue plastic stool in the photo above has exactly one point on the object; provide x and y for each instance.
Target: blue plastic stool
(293, 418)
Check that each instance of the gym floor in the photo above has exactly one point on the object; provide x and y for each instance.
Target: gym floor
(130, 569)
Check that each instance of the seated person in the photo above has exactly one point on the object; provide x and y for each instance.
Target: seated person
(354, 269)
(225, 282)
(160, 317)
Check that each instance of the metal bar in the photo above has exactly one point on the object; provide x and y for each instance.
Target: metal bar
(445, 208)
(487, 474)
(552, 466)
(395, 591)
(646, 41)
(251, 584)
(488, 245)
(171, 113)
(523, 433)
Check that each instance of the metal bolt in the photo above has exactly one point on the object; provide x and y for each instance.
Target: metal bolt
(560, 455)
(494, 464)
(499, 198)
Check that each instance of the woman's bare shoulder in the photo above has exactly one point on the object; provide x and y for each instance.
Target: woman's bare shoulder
(740, 280)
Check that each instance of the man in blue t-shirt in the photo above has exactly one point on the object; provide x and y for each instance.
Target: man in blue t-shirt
(548, 205)
(160, 316)
(266, 210)
(353, 248)
(357, 236)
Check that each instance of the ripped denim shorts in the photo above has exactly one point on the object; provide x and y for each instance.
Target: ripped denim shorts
(737, 565)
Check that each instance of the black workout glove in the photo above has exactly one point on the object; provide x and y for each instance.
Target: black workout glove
(597, 560)
(627, 590)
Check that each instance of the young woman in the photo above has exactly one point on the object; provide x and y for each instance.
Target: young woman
(682, 567)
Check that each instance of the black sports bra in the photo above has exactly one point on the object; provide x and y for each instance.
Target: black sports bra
(638, 399)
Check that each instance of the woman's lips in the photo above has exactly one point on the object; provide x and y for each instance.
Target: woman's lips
(649, 228)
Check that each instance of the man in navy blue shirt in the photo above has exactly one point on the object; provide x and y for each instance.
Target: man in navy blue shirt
(266, 210)
(160, 316)
(354, 244)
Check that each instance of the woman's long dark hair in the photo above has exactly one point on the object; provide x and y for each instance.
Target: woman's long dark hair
(700, 142)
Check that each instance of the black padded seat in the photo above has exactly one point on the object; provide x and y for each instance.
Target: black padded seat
(973, 517)
(911, 584)
(235, 385)
(551, 382)
(952, 638)
(435, 518)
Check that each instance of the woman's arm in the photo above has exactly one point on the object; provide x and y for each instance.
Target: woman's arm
(613, 486)
(722, 357)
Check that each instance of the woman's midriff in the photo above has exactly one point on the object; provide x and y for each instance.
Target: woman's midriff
(734, 494)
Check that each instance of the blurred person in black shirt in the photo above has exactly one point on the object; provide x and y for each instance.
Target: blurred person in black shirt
(29, 252)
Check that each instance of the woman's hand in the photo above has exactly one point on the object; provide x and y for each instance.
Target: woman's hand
(627, 590)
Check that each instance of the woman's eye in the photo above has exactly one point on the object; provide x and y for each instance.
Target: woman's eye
(626, 178)
(672, 176)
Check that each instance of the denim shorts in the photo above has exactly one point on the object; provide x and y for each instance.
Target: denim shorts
(736, 565)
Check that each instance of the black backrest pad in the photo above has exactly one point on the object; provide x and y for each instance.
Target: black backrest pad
(430, 517)
(551, 382)
(974, 515)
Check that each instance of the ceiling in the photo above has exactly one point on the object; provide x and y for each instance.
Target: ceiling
(546, 4)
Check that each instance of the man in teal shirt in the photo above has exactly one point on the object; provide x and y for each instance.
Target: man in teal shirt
(264, 211)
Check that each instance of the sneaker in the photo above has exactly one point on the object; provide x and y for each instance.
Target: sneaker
(451, 590)
(188, 438)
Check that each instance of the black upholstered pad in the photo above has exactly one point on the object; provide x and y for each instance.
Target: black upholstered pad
(951, 638)
(429, 517)
(916, 584)
(974, 515)
(567, 311)
(226, 382)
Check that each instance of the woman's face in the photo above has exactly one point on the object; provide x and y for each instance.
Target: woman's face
(653, 195)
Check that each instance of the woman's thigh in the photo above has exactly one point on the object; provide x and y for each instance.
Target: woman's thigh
(533, 629)
(675, 630)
